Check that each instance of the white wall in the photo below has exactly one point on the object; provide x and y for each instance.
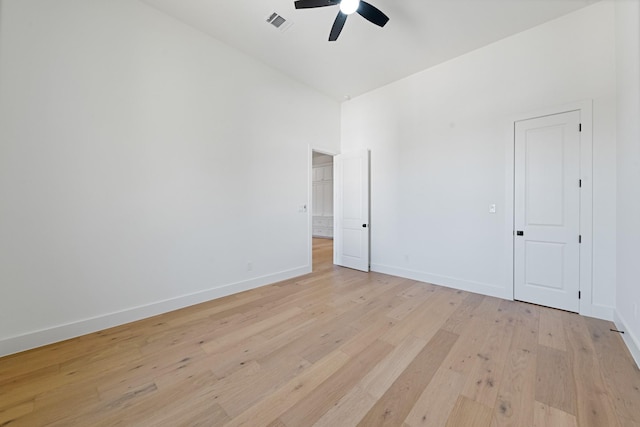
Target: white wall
(628, 80)
(142, 166)
(440, 142)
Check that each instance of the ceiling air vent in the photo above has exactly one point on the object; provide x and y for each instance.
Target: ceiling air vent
(279, 22)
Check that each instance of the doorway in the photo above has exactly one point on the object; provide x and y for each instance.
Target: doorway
(547, 210)
(322, 209)
(340, 194)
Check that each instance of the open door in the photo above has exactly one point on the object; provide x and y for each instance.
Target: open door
(351, 203)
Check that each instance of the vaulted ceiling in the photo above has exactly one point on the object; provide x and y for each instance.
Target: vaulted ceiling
(420, 34)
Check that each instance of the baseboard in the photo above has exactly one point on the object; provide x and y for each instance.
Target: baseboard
(63, 332)
(598, 311)
(448, 282)
(632, 341)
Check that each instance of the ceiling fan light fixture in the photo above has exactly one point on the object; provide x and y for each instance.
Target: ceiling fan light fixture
(349, 6)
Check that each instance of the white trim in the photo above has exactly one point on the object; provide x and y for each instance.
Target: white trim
(587, 306)
(599, 312)
(632, 342)
(86, 326)
(509, 214)
(310, 151)
(446, 281)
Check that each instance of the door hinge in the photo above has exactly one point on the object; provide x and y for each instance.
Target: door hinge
(580, 183)
(580, 127)
(580, 238)
(579, 295)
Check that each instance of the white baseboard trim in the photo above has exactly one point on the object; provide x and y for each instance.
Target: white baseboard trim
(448, 282)
(632, 341)
(63, 332)
(598, 311)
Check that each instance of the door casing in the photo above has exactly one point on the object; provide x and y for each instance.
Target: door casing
(587, 307)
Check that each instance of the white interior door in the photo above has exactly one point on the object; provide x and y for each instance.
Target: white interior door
(547, 211)
(351, 202)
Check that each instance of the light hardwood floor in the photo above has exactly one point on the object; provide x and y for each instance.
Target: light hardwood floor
(333, 348)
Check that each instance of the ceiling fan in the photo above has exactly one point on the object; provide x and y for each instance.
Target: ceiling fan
(347, 7)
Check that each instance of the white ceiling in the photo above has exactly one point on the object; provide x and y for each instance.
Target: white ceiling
(419, 35)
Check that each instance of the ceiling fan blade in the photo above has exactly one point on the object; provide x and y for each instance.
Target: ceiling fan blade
(307, 4)
(337, 26)
(372, 14)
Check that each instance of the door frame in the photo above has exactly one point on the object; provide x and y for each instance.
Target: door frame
(310, 151)
(586, 306)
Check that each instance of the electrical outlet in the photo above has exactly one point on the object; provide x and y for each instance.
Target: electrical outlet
(249, 266)
(492, 208)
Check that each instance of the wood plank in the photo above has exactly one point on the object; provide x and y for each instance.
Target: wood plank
(555, 384)
(621, 375)
(548, 416)
(378, 326)
(436, 402)
(469, 413)
(407, 306)
(464, 354)
(594, 407)
(626, 422)
(185, 399)
(525, 336)
(378, 380)
(328, 394)
(60, 403)
(489, 308)
(394, 406)
(551, 332)
(277, 423)
(245, 387)
(349, 410)
(207, 415)
(425, 320)
(418, 289)
(516, 396)
(9, 415)
(239, 334)
(256, 347)
(464, 315)
(285, 397)
(486, 376)
(354, 406)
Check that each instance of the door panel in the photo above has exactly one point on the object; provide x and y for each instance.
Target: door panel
(351, 197)
(544, 264)
(545, 173)
(547, 211)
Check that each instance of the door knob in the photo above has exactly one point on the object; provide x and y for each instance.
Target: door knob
(364, 225)
(520, 233)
